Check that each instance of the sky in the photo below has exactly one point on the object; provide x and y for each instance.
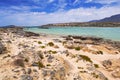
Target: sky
(40, 12)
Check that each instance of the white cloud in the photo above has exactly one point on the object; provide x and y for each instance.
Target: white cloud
(76, 2)
(104, 1)
(50, 1)
(73, 15)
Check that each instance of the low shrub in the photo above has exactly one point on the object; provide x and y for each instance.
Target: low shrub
(77, 48)
(99, 52)
(50, 44)
(42, 46)
(39, 42)
(96, 65)
(86, 58)
(53, 52)
(26, 60)
(48, 65)
(40, 65)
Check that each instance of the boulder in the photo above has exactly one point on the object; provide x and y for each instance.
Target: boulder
(26, 77)
(106, 63)
(2, 48)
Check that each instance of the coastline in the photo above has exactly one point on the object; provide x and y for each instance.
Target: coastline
(42, 56)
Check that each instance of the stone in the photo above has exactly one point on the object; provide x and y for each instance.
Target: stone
(116, 73)
(26, 77)
(106, 63)
(19, 62)
(29, 71)
(101, 75)
(2, 48)
(50, 58)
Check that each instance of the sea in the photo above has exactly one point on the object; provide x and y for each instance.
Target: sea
(112, 33)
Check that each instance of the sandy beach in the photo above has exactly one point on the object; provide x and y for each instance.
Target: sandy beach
(31, 56)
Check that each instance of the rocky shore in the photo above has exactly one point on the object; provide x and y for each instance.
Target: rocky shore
(31, 56)
(83, 24)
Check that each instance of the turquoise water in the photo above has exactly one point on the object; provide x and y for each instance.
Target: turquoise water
(106, 32)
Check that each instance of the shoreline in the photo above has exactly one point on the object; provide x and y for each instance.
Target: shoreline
(75, 34)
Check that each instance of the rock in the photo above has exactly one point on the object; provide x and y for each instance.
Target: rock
(34, 70)
(16, 70)
(29, 34)
(34, 64)
(50, 58)
(52, 73)
(101, 75)
(116, 73)
(77, 78)
(2, 48)
(29, 71)
(106, 63)
(57, 40)
(26, 77)
(44, 72)
(19, 62)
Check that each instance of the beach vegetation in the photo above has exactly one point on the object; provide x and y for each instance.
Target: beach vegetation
(86, 58)
(99, 52)
(39, 42)
(77, 48)
(26, 60)
(48, 65)
(40, 65)
(50, 44)
(96, 65)
(42, 46)
(95, 75)
(53, 52)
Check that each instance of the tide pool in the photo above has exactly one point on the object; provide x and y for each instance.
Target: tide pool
(103, 32)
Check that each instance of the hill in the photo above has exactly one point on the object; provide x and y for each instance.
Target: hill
(113, 21)
(114, 18)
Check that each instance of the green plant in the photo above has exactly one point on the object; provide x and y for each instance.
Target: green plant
(40, 65)
(26, 60)
(53, 52)
(42, 46)
(39, 42)
(96, 65)
(48, 65)
(50, 44)
(86, 58)
(95, 75)
(99, 52)
(40, 55)
(77, 48)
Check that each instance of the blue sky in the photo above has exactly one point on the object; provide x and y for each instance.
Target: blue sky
(39, 12)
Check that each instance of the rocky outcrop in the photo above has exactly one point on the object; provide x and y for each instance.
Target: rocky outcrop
(84, 24)
(2, 48)
(113, 66)
(92, 40)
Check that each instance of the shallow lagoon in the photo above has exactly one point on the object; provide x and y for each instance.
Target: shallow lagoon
(103, 32)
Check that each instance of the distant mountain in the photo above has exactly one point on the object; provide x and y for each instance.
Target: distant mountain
(114, 18)
(113, 21)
